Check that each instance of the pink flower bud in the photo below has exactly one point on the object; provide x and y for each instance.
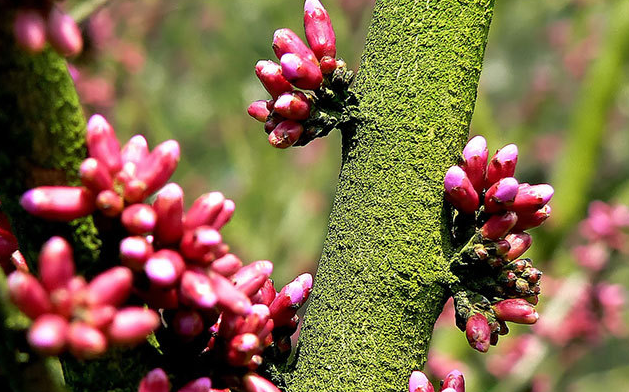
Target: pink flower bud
(134, 251)
(475, 162)
(48, 334)
(164, 268)
(459, 190)
(286, 41)
(226, 265)
(109, 203)
(188, 323)
(501, 195)
(59, 203)
(258, 110)
(418, 382)
(29, 29)
(477, 332)
(319, 31)
(225, 215)
(155, 381)
(28, 294)
(85, 341)
(327, 64)
(204, 210)
(102, 143)
(255, 383)
(155, 170)
(99, 316)
(132, 325)
(498, 225)
(301, 72)
(202, 384)
(517, 310)
(168, 206)
(139, 218)
(135, 150)
(502, 164)
(56, 265)
(293, 106)
(265, 295)
(285, 134)
(196, 290)
(520, 243)
(531, 198)
(160, 298)
(19, 262)
(242, 348)
(250, 278)
(530, 220)
(198, 244)
(290, 298)
(63, 33)
(270, 74)
(229, 297)
(95, 175)
(272, 123)
(111, 287)
(455, 381)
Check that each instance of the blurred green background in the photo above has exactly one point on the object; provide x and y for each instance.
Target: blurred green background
(554, 82)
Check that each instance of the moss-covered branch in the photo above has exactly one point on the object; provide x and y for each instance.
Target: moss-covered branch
(380, 283)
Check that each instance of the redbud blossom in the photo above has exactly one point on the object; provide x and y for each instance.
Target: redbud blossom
(198, 244)
(29, 29)
(301, 72)
(134, 151)
(28, 294)
(459, 190)
(517, 310)
(188, 323)
(111, 287)
(155, 381)
(204, 210)
(156, 168)
(270, 74)
(225, 214)
(85, 341)
(293, 106)
(418, 382)
(286, 41)
(132, 325)
(285, 134)
(502, 164)
(258, 110)
(250, 278)
(109, 203)
(168, 206)
(531, 220)
(520, 243)
(327, 64)
(202, 384)
(95, 175)
(48, 334)
(291, 297)
(499, 225)
(58, 203)
(226, 265)
(475, 161)
(134, 251)
(531, 197)
(477, 332)
(196, 290)
(255, 383)
(63, 33)
(56, 265)
(455, 381)
(102, 143)
(242, 348)
(138, 218)
(229, 297)
(164, 268)
(319, 31)
(501, 195)
(266, 294)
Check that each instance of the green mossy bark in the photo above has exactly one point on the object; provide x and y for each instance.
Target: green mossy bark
(381, 280)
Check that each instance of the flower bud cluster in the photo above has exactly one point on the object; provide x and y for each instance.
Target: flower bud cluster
(493, 210)
(453, 382)
(70, 313)
(157, 381)
(308, 88)
(8, 246)
(217, 313)
(40, 21)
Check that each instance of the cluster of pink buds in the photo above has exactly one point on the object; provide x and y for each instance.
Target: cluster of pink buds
(493, 210)
(308, 87)
(453, 382)
(157, 381)
(8, 245)
(40, 21)
(70, 313)
(112, 178)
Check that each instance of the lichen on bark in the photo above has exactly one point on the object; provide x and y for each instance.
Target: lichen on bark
(385, 264)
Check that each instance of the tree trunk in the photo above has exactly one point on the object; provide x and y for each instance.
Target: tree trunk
(381, 280)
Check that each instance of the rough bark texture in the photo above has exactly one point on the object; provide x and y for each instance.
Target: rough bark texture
(380, 282)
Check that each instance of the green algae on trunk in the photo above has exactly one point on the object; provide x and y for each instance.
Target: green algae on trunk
(380, 283)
